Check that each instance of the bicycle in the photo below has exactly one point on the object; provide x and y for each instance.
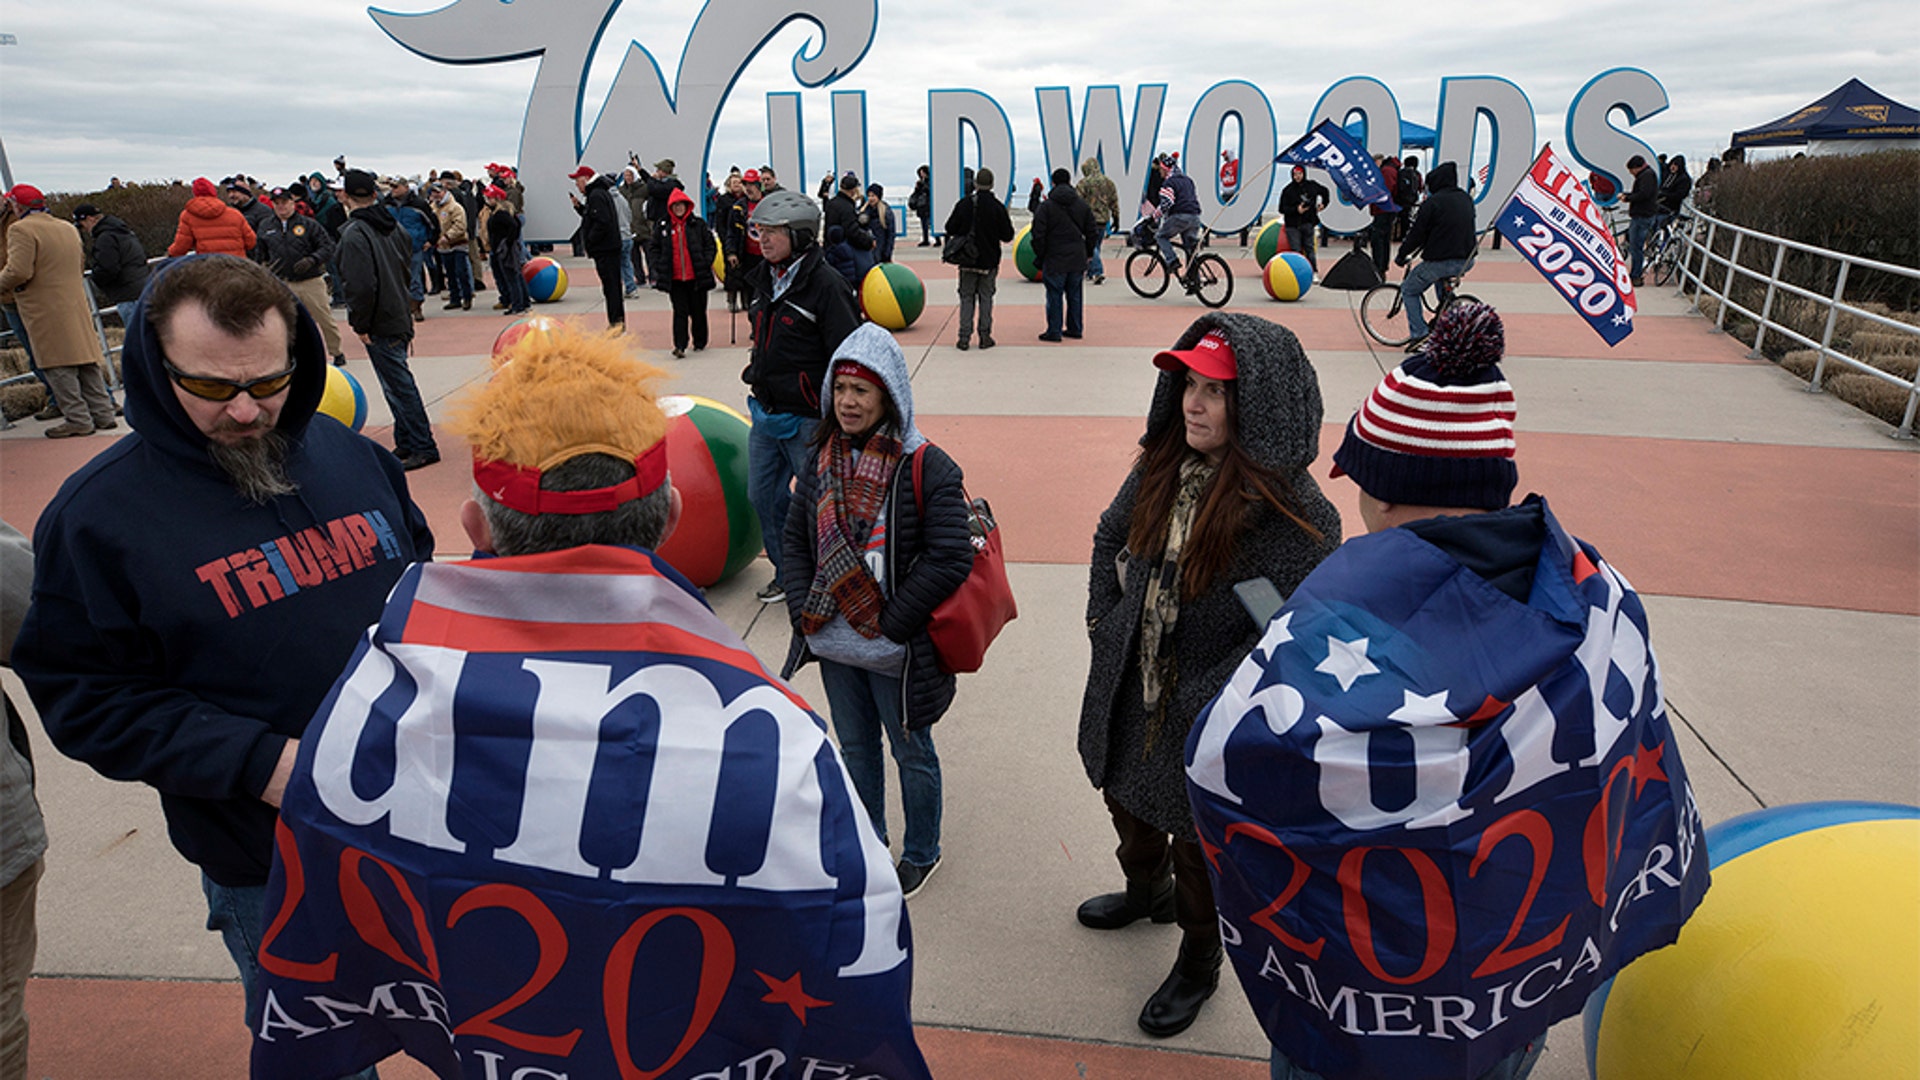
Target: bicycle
(1665, 247)
(1207, 276)
(1384, 319)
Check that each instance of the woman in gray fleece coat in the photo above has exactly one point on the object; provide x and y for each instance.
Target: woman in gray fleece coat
(1218, 495)
(865, 562)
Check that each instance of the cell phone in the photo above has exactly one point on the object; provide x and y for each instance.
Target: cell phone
(1260, 598)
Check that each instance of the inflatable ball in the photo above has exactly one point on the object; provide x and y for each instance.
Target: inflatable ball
(1024, 260)
(520, 328)
(1270, 241)
(546, 279)
(1287, 276)
(343, 399)
(707, 457)
(892, 296)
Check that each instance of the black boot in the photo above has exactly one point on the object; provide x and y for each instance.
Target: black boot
(1176, 1005)
(1112, 911)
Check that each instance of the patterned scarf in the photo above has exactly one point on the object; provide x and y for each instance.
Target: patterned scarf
(1160, 607)
(853, 491)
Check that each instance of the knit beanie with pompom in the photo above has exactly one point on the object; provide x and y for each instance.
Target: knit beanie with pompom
(1438, 430)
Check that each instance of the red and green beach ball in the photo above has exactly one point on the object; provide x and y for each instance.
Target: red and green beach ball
(707, 457)
(1271, 240)
(1287, 276)
(546, 279)
(1024, 260)
(892, 296)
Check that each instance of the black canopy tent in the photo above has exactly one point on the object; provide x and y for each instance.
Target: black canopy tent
(1853, 112)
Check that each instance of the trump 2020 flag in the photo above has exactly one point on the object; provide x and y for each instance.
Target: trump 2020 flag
(556, 820)
(1346, 162)
(1436, 816)
(1555, 225)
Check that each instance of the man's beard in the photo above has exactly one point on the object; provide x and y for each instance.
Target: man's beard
(257, 465)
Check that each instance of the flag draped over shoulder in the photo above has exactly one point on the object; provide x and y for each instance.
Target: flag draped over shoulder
(556, 816)
(1346, 162)
(1556, 226)
(1438, 817)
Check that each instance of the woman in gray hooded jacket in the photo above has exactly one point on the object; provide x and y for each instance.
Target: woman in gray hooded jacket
(866, 559)
(1218, 495)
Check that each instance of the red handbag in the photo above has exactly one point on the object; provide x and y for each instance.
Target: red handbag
(967, 622)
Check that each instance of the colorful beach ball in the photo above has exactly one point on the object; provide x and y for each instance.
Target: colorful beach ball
(1024, 260)
(520, 328)
(892, 296)
(1802, 961)
(707, 457)
(546, 279)
(1270, 241)
(343, 399)
(1287, 276)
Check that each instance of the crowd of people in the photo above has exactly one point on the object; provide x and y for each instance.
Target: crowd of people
(270, 537)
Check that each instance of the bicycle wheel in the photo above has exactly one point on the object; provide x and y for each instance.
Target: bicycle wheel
(1667, 263)
(1146, 274)
(1212, 280)
(1382, 317)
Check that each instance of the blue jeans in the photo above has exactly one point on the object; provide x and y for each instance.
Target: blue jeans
(1300, 239)
(864, 703)
(1184, 226)
(1638, 229)
(416, 275)
(506, 275)
(1096, 266)
(772, 464)
(238, 914)
(1514, 1066)
(459, 274)
(1066, 287)
(412, 433)
(626, 267)
(1419, 280)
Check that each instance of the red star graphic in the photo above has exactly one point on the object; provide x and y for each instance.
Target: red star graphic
(1583, 567)
(1488, 709)
(789, 993)
(1646, 766)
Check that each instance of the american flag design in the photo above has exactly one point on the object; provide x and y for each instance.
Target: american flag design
(1407, 414)
(1437, 817)
(555, 819)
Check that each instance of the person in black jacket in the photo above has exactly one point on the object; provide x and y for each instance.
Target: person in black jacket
(1643, 205)
(297, 249)
(1063, 236)
(873, 545)
(600, 236)
(795, 331)
(1675, 187)
(843, 213)
(373, 254)
(118, 261)
(984, 217)
(920, 205)
(1443, 234)
(682, 262)
(1300, 204)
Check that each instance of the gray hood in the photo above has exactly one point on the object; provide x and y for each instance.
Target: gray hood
(873, 348)
(1280, 409)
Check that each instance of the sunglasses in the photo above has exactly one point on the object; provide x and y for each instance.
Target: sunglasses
(211, 389)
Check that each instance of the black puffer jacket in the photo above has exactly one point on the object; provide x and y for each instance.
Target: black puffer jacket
(1063, 233)
(927, 557)
(599, 218)
(794, 336)
(1443, 226)
(119, 262)
(1280, 415)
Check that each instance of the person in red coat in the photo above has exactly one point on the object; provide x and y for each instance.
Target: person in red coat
(210, 227)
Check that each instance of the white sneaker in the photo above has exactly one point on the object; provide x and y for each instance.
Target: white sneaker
(772, 593)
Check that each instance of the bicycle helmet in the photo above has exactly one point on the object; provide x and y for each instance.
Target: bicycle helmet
(793, 210)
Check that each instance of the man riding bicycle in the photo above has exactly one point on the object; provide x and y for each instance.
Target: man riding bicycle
(1178, 210)
(1442, 230)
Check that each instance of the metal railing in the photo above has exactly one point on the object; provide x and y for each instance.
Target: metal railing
(1699, 263)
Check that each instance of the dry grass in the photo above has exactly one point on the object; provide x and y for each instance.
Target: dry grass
(29, 397)
(1868, 394)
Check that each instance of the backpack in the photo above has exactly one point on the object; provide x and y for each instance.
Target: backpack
(1406, 191)
(961, 249)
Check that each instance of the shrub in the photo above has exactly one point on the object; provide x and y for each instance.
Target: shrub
(152, 211)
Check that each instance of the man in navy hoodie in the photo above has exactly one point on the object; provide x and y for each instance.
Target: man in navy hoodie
(200, 584)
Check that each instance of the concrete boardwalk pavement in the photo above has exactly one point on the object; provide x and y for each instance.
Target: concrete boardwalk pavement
(1775, 535)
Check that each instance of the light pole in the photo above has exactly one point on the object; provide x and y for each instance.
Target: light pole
(6, 170)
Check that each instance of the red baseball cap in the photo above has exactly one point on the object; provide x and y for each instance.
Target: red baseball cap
(751, 176)
(1211, 356)
(583, 170)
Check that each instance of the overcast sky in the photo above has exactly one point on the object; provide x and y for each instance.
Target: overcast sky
(151, 90)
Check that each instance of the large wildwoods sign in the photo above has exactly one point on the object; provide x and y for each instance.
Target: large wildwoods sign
(648, 113)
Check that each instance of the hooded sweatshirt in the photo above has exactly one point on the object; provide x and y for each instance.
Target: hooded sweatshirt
(1097, 188)
(179, 635)
(1443, 226)
(917, 557)
(209, 226)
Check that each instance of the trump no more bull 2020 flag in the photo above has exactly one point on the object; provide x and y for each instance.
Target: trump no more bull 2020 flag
(1555, 225)
(1436, 817)
(1346, 163)
(555, 819)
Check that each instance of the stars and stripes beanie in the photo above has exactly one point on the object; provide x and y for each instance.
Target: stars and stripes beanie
(1438, 430)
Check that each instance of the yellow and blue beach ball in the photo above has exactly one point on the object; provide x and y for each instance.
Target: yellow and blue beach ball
(343, 399)
(1024, 260)
(1287, 276)
(1270, 241)
(546, 279)
(1803, 961)
(892, 296)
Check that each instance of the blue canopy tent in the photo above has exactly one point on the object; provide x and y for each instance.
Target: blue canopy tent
(1417, 136)
(1856, 114)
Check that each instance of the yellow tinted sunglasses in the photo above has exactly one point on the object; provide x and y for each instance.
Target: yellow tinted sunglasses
(208, 388)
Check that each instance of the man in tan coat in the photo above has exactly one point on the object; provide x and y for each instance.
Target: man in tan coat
(452, 246)
(46, 269)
